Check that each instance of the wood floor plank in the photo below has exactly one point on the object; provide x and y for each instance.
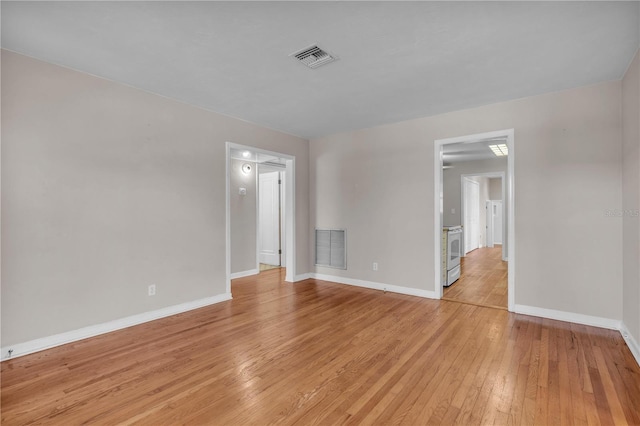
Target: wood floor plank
(613, 400)
(578, 411)
(528, 412)
(479, 383)
(317, 352)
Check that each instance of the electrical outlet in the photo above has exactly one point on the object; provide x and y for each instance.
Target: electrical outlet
(375, 266)
(152, 290)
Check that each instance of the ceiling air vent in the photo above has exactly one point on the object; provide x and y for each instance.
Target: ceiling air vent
(313, 57)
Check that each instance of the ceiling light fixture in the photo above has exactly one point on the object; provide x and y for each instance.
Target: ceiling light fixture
(246, 168)
(499, 150)
(246, 154)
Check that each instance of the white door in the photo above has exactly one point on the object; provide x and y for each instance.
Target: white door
(496, 216)
(269, 218)
(471, 215)
(489, 225)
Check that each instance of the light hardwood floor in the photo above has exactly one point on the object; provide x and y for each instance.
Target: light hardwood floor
(483, 279)
(265, 267)
(321, 353)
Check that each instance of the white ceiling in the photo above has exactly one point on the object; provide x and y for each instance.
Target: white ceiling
(397, 60)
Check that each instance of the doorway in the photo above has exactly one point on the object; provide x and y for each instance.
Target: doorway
(243, 164)
(483, 269)
(487, 210)
(271, 216)
(492, 264)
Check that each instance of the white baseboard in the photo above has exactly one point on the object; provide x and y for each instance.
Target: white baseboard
(36, 345)
(568, 316)
(375, 286)
(631, 342)
(243, 274)
(302, 277)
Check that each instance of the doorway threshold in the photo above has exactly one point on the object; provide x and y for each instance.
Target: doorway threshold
(482, 305)
(265, 267)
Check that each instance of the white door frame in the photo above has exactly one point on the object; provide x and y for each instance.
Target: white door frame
(283, 219)
(290, 210)
(510, 192)
(463, 203)
(500, 175)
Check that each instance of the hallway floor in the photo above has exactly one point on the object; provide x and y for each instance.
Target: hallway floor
(483, 279)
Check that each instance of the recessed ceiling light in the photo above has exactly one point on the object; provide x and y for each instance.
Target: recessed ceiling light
(246, 154)
(499, 150)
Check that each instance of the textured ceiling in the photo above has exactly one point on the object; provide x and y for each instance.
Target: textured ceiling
(397, 60)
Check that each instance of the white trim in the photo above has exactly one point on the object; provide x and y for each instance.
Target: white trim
(631, 342)
(303, 277)
(438, 214)
(227, 216)
(568, 316)
(511, 226)
(375, 286)
(37, 345)
(510, 194)
(257, 186)
(283, 218)
(243, 274)
(290, 218)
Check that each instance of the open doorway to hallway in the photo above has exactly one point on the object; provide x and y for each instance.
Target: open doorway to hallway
(473, 223)
(260, 229)
(483, 265)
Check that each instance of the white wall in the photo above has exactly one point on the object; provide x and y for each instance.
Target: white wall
(495, 189)
(243, 217)
(107, 189)
(378, 184)
(631, 197)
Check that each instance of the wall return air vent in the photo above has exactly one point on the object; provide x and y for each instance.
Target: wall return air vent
(313, 56)
(331, 248)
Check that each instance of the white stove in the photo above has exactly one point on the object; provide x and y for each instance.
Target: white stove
(451, 252)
